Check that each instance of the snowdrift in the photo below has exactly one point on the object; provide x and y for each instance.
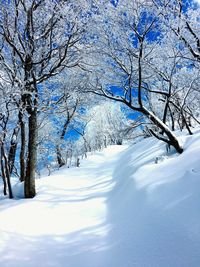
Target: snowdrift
(157, 197)
(124, 207)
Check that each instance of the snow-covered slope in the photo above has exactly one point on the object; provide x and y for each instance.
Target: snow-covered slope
(119, 209)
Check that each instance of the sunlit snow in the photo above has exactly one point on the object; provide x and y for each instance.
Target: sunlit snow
(121, 208)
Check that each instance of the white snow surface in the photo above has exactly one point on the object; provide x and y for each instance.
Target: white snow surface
(118, 209)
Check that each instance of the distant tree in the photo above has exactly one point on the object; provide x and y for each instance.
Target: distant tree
(102, 125)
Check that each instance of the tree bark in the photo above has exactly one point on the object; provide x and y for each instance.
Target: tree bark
(172, 140)
(23, 147)
(3, 176)
(172, 119)
(30, 191)
(13, 149)
(60, 160)
(6, 171)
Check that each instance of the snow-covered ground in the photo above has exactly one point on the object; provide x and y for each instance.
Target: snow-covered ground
(119, 209)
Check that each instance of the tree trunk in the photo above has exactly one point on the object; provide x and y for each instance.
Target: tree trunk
(13, 149)
(30, 103)
(23, 147)
(3, 176)
(6, 171)
(172, 140)
(59, 157)
(165, 111)
(185, 123)
(172, 119)
(30, 191)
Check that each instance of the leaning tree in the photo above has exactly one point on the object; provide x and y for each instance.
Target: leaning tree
(128, 39)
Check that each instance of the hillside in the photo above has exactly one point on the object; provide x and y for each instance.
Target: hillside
(123, 207)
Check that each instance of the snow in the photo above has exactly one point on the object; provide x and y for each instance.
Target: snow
(118, 209)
